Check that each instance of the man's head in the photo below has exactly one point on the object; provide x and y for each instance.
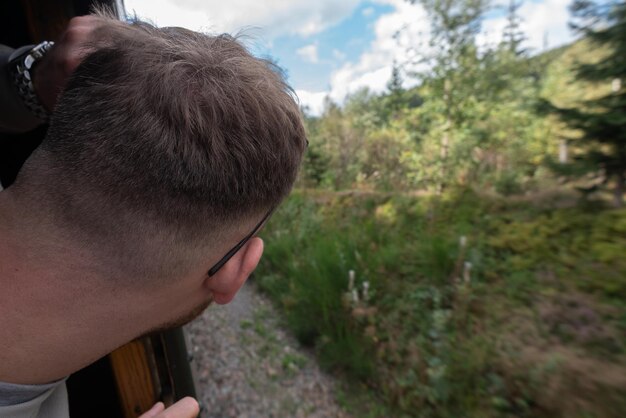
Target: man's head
(165, 149)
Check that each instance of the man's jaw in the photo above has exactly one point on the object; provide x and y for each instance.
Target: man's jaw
(181, 320)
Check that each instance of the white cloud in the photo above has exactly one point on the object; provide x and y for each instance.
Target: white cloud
(272, 17)
(308, 53)
(313, 100)
(544, 25)
(373, 68)
(547, 19)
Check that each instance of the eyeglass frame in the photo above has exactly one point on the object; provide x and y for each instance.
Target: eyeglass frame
(240, 244)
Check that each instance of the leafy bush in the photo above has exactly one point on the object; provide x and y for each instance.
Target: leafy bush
(436, 333)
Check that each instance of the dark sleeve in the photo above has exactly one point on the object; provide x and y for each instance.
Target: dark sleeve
(14, 116)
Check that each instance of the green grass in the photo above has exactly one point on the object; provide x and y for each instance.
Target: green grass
(543, 284)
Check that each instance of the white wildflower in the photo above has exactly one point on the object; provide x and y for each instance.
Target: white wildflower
(351, 276)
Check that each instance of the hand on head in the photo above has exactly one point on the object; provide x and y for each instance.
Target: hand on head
(52, 72)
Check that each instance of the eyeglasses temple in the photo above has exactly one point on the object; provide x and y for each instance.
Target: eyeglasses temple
(237, 247)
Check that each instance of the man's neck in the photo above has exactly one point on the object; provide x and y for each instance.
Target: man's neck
(44, 335)
(54, 317)
(59, 308)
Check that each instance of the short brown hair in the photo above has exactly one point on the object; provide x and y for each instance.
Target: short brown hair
(172, 132)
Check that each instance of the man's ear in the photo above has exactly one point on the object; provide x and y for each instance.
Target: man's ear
(225, 284)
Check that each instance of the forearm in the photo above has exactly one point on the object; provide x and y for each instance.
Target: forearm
(14, 116)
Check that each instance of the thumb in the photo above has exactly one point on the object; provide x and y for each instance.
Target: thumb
(185, 408)
(158, 407)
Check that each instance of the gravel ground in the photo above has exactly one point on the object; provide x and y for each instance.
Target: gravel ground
(248, 366)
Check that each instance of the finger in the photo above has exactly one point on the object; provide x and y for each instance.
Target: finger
(86, 20)
(154, 411)
(185, 408)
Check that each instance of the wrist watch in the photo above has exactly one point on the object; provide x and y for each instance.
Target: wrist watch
(21, 69)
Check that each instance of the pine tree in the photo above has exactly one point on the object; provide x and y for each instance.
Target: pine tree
(454, 25)
(395, 99)
(513, 36)
(602, 122)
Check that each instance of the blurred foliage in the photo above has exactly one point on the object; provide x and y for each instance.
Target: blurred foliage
(436, 338)
(600, 122)
(446, 250)
(485, 105)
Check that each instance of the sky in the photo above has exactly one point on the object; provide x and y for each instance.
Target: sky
(335, 47)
